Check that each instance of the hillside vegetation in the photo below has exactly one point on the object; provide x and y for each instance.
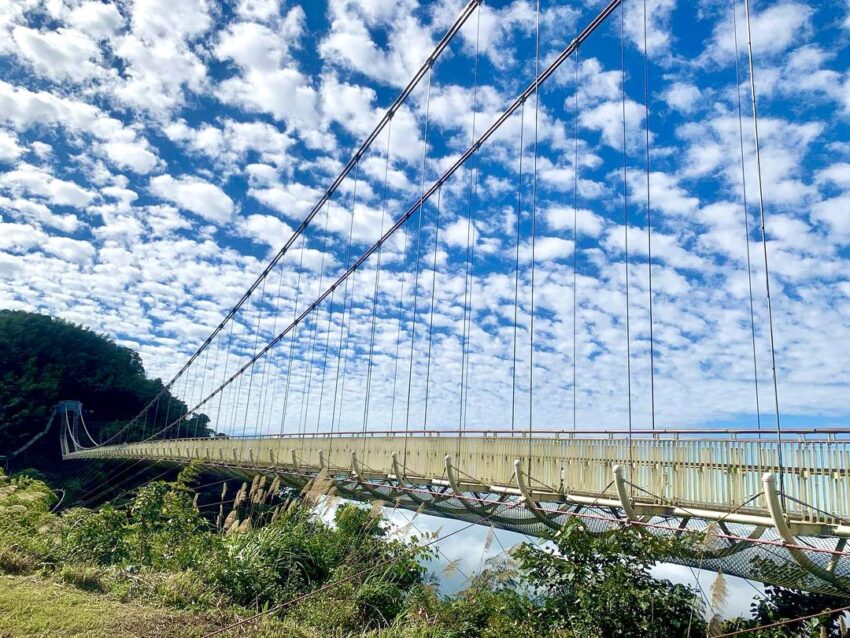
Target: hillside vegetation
(44, 360)
(353, 577)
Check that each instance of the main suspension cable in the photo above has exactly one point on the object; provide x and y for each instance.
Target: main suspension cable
(438, 50)
(436, 186)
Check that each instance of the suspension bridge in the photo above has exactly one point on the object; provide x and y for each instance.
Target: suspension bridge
(353, 358)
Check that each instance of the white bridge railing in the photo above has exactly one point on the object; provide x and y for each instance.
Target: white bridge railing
(719, 470)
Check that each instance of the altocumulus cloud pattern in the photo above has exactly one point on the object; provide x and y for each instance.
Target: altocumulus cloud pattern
(155, 155)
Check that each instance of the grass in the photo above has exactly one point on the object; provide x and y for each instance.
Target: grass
(32, 606)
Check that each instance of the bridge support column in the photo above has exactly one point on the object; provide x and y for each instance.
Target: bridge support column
(774, 506)
(623, 494)
(399, 476)
(771, 495)
(530, 504)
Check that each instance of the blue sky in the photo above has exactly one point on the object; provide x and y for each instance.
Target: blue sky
(154, 155)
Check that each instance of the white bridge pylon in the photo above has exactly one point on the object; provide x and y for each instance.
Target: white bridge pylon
(666, 483)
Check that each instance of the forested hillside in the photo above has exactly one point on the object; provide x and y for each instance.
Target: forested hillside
(44, 360)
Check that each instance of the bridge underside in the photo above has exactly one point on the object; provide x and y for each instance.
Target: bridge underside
(533, 486)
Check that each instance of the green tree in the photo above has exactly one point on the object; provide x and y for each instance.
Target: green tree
(600, 584)
(779, 603)
(44, 360)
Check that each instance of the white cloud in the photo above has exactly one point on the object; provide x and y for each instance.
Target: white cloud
(196, 195)
(349, 105)
(837, 174)
(835, 213)
(667, 194)
(97, 19)
(775, 29)
(9, 149)
(132, 155)
(234, 141)
(658, 32)
(20, 237)
(252, 46)
(28, 179)
(70, 250)
(682, 96)
(24, 109)
(607, 118)
(268, 80)
(263, 10)
(59, 55)
(350, 44)
(265, 229)
(588, 223)
(166, 18)
(547, 249)
(293, 200)
(158, 54)
(39, 214)
(458, 232)
(284, 93)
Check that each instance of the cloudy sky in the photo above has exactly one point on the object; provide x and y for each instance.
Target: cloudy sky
(155, 155)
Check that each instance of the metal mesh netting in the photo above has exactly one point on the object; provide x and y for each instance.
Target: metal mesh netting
(756, 553)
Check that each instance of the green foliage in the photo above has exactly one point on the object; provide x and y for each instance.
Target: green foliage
(25, 521)
(600, 584)
(44, 360)
(85, 577)
(159, 548)
(298, 553)
(483, 610)
(779, 603)
(273, 563)
(160, 529)
(92, 537)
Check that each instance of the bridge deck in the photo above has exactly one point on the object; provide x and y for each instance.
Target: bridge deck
(719, 474)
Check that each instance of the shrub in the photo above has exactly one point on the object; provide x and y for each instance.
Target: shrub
(85, 577)
(99, 537)
(609, 571)
(25, 522)
(270, 564)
